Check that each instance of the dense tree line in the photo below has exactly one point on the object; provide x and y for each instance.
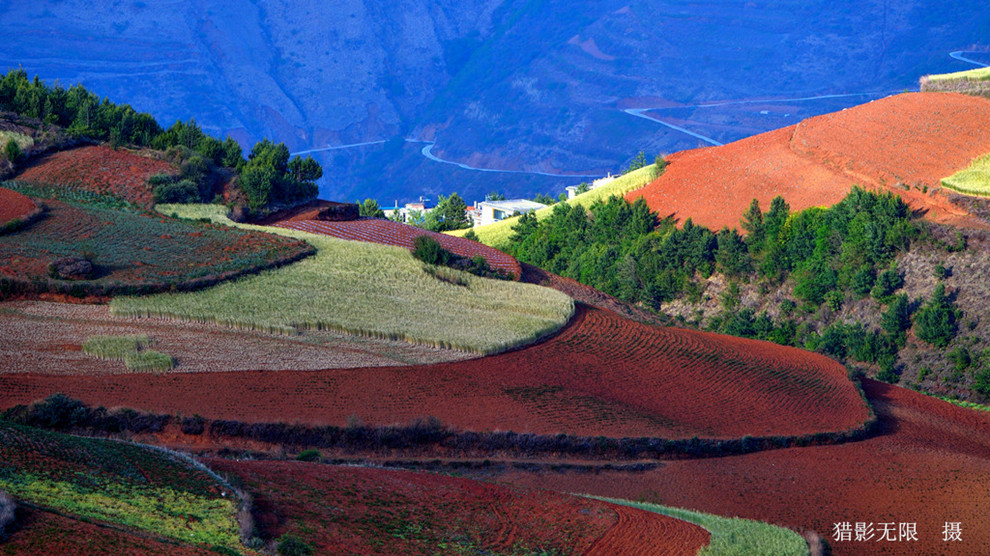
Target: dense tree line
(267, 177)
(830, 255)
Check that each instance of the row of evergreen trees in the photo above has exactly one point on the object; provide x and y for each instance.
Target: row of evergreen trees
(267, 177)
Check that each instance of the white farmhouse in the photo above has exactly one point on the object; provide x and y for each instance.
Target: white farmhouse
(493, 211)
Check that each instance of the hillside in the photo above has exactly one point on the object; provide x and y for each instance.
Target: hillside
(348, 510)
(602, 375)
(99, 169)
(905, 144)
(928, 462)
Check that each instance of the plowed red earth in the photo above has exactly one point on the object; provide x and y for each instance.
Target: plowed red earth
(914, 139)
(101, 170)
(40, 532)
(602, 375)
(348, 510)
(930, 465)
(14, 205)
(377, 230)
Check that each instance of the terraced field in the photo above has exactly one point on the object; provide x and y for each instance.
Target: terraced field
(904, 143)
(345, 510)
(125, 484)
(928, 465)
(133, 249)
(386, 232)
(99, 169)
(14, 205)
(602, 375)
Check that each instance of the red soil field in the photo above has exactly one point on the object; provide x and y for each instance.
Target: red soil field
(100, 169)
(915, 139)
(602, 375)
(14, 205)
(40, 532)
(348, 510)
(929, 465)
(377, 230)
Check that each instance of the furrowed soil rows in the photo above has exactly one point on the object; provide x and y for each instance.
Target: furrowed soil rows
(901, 143)
(602, 375)
(14, 205)
(377, 230)
(929, 465)
(101, 170)
(376, 511)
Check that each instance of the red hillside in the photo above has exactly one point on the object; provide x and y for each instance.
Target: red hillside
(901, 143)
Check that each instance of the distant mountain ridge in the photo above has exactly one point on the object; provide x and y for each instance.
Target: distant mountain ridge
(504, 84)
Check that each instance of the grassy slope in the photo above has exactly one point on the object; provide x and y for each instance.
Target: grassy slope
(732, 536)
(120, 483)
(978, 74)
(497, 234)
(974, 180)
(369, 289)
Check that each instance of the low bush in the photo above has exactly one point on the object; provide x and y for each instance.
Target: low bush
(291, 545)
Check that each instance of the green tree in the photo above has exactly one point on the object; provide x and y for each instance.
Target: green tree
(935, 322)
(639, 161)
(752, 222)
(369, 208)
(896, 320)
(495, 196)
(449, 214)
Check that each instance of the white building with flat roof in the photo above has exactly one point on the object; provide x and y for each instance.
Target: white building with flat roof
(493, 211)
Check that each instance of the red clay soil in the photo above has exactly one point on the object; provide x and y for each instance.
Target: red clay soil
(100, 169)
(915, 139)
(350, 510)
(378, 230)
(40, 532)
(602, 375)
(14, 205)
(929, 465)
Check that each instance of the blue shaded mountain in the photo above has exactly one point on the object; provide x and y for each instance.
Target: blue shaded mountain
(523, 85)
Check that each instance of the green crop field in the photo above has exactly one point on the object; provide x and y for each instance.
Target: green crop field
(367, 289)
(731, 536)
(978, 74)
(974, 180)
(497, 235)
(121, 483)
(132, 350)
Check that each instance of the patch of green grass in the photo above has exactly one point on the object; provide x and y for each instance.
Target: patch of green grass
(731, 536)
(974, 180)
(497, 235)
(132, 350)
(121, 483)
(967, 405)
(365, 289)
(978, 74)
(114, 347)
(149, 360)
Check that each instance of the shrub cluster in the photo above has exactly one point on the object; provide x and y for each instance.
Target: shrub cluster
(425, 434)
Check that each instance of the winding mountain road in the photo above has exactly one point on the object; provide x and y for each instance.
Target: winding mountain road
(427, 150)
